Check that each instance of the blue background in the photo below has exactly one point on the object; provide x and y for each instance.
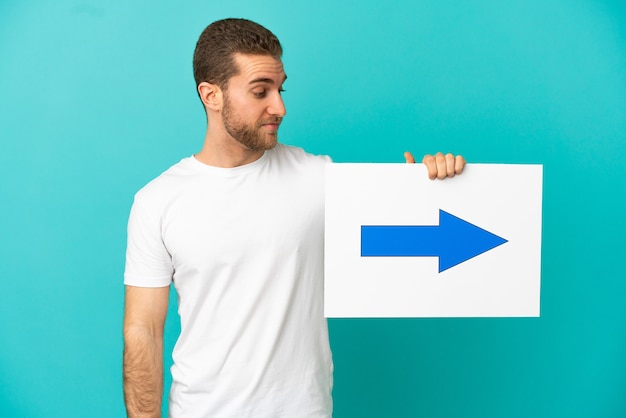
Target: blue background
(97, 98)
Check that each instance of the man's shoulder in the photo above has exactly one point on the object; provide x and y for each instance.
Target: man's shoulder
(298, 154)
(167, 182)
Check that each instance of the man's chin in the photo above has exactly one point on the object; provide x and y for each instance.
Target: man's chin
(260, 143)
(263, 147)
(270, 143)
(269, 146)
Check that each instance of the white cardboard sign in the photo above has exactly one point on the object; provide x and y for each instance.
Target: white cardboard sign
(400, 245)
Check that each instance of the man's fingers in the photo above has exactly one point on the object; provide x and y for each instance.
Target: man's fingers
(442, 171)
(459, 164)
(431, 166)
(409, 158)
(450, 165)
(442, 166)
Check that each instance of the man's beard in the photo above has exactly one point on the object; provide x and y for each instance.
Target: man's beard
(248, 135)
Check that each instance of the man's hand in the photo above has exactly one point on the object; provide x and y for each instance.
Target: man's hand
(440, 166)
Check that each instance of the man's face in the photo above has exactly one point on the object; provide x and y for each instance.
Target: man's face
(253, 107)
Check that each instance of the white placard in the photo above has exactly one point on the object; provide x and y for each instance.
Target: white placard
(373, 272)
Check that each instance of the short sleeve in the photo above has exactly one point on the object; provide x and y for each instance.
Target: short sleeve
(148, 263)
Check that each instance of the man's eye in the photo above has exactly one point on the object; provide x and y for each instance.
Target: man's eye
(260, 94)
(281, 90)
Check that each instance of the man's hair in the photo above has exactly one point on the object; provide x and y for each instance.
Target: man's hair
(213, 59)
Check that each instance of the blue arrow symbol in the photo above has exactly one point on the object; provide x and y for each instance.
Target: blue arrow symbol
(453, 241)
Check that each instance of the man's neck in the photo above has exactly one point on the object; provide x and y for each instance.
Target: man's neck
(226, 152)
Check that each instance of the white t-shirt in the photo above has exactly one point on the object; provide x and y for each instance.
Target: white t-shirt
(244, 249)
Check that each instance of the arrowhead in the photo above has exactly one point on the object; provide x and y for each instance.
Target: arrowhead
(461, 240)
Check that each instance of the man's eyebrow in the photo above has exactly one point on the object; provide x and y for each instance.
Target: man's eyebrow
(265, 80)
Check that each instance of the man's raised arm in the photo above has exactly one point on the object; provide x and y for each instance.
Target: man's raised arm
(144, 318)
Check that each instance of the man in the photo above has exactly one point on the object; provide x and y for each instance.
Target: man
(238, 229)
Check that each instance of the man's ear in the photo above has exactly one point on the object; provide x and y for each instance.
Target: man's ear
(211, 95)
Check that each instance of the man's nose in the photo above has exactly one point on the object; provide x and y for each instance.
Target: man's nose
(277, 106)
